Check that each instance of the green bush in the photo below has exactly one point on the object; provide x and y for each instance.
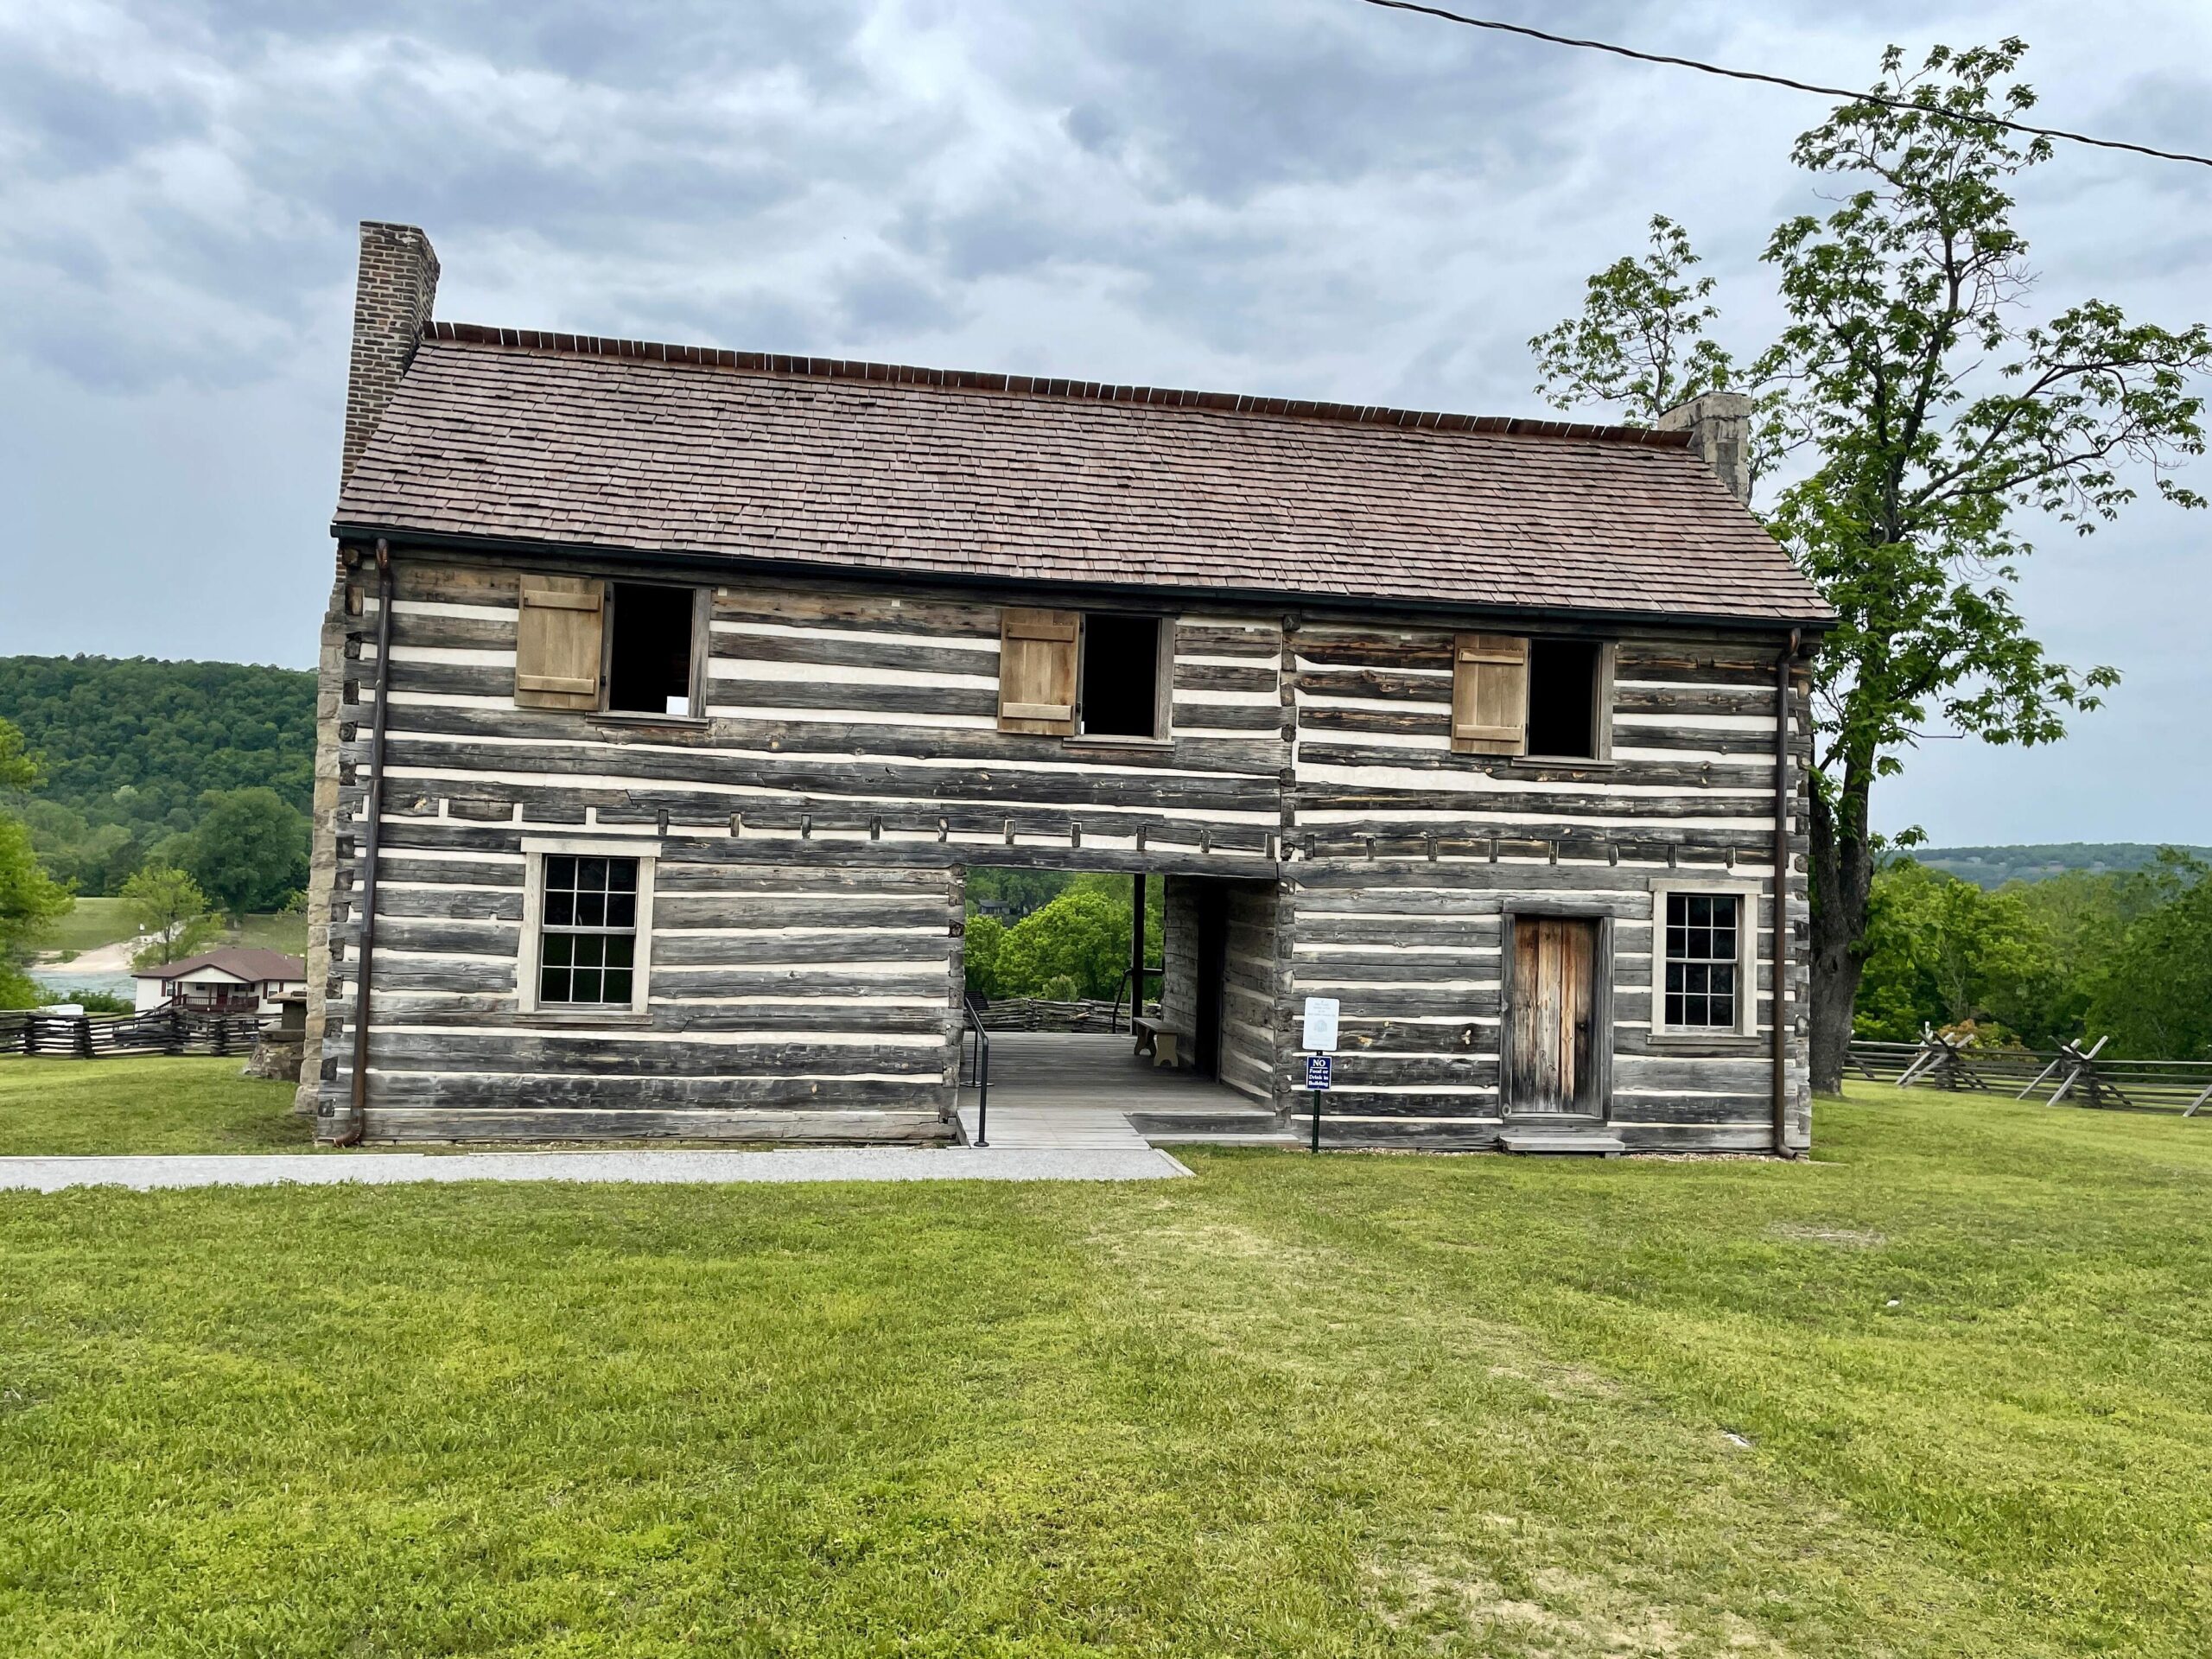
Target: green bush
(94, 1001)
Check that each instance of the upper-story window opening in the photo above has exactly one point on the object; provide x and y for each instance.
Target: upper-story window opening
(648, 650)
(625, 647)
(1563, 698)
(1543, 699)
(1120, 685)
(1083, 674)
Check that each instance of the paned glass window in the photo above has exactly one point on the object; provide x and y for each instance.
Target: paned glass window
(1701, 960)
(587, 932)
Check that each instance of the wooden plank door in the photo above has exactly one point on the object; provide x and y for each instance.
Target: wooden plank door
(1554, 991)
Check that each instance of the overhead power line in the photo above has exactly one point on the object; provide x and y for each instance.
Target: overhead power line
(1784, 80)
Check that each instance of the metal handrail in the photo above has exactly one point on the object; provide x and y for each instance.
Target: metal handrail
(981, 1070)
(1136, 998)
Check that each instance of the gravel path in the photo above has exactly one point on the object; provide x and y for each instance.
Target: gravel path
(386, 1168)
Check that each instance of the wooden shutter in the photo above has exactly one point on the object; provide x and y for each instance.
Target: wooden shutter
(1037, 652)
(1490, 694)
(557, 642)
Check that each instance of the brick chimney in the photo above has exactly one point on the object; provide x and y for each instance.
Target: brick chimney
(1719, 425)
(398, 285)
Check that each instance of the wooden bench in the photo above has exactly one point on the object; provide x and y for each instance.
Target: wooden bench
(1158, 1038)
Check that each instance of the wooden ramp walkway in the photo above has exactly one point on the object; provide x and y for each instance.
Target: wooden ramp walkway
(1083, 1090)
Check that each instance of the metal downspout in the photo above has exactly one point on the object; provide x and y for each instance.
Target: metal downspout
(1778, 1020)
(372, 813)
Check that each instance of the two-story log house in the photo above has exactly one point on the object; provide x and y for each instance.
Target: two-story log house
(691, 681)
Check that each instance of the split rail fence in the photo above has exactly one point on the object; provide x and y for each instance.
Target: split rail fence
(92, 1036)
(2070, 1075)
(1037, 1013)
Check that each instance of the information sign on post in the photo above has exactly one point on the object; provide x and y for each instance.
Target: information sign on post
(1320, 1044)
(1321, 1025)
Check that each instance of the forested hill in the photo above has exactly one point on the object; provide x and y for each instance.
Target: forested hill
(136, 741)
(1993, 866)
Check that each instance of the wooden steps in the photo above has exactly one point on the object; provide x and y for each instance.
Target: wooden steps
(1595, 1142)
(1214, 1128)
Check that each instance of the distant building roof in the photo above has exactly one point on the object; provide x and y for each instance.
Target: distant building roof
(571, 443)
(253, 967)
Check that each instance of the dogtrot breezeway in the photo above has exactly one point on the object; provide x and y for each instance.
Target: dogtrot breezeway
(1090, 1089)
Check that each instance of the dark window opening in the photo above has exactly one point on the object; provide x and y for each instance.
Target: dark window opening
(1702, 961)
(587, 934)
(1121, 676)
(649, 653)
(1563, 698)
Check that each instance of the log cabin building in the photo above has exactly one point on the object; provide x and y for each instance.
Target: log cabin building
(691, 681)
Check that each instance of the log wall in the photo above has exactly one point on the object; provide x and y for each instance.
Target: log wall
(1251, 999)
(814, 827)
(1407, 857)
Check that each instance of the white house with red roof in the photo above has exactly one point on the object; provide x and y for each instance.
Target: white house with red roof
(223, 981)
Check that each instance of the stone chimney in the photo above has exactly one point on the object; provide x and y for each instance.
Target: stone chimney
(1719, 425)
(398, 285)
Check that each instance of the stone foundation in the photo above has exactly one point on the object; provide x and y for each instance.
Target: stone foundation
(276, 1058)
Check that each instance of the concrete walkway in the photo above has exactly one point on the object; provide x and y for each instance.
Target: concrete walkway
(696, 1168)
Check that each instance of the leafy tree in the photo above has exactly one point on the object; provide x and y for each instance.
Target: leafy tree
(1078, 930)
(2152, 990)
(1640, 341)
(1993, 866)
(20, 770)
(90, 858)
(250, 852)
(1943, 951)
(166, 903)
(137, 744)
(1015, 892)
(986, 937)
(1922, 409)
(2082, 955)
(30, 901)
(1083, 936)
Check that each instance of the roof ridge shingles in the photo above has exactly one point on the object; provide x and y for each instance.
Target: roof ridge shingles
(1026, 386)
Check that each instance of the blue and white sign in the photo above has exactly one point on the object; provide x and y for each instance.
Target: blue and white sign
(1318, 1067)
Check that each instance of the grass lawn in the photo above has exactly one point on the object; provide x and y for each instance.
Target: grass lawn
(284, 929)
(88, 924)
(92, 923)
(151, 1103)
(1947, 1390)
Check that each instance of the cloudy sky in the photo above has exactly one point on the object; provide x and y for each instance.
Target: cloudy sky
(1307, 197)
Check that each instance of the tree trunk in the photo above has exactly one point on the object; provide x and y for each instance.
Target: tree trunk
(1843, 877)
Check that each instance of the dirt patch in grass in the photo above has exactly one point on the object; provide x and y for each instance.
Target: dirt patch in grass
(1847, 1238)
(1553, 1613)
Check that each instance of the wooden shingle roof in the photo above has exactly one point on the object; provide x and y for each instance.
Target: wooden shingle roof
(574, 442)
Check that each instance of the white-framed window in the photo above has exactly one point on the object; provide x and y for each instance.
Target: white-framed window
(586, 932)
(1704, 958)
